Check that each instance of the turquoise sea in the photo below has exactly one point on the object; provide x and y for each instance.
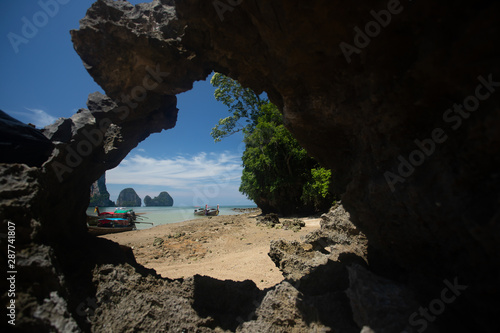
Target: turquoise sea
(166, 215)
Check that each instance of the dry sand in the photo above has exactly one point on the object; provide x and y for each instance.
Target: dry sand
(224, 247)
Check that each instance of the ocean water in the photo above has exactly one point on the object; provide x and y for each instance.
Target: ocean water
(166, 215)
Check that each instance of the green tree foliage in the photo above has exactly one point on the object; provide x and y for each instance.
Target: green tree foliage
(278, 175)
(242, 103)
(316, 191)
(277, 172)
(101, 200)
(99, 194)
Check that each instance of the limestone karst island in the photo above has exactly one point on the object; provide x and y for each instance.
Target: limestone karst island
(364, 145)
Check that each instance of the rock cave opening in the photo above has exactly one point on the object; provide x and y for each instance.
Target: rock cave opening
(433, 261)
(196, 171)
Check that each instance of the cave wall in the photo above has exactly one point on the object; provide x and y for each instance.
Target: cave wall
(358, 112)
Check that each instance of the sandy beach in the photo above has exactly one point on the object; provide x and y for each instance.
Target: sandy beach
(224, 247)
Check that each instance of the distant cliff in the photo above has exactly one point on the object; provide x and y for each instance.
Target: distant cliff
(99, 195)
(128, 198)
(164, 199)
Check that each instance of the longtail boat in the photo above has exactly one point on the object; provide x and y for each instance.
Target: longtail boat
(97, 231)
(111, 222)
(110, 225)
(122, 219)
(207, 211)
(119, 212)
(114, 221)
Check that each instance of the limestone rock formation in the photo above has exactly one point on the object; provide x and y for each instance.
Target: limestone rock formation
(381, 304)
(128, 198)
(326, 252)
(406, 116)
(163, 199)
(268, 220)
(83, 148)
(99, 195)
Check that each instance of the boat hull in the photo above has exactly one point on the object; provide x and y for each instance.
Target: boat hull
(114, 222)
(213, 213)
(97, 231)
(205, 213)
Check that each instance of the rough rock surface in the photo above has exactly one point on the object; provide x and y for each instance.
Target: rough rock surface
(326, 252)
(84, 147)
(268, 220)
(381, 304)
(128, 198)
(99, 195)
(363, 115)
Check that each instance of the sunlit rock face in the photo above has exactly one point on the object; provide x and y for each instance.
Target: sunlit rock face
(400, 99)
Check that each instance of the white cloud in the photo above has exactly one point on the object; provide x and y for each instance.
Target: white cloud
(203, 171)
(38, 117)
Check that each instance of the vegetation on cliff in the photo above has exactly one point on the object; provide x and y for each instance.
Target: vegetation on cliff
(278, 175)
(99, 195)
(128, 198)
(163, 199)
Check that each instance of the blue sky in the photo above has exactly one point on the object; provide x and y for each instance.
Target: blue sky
(44, 79)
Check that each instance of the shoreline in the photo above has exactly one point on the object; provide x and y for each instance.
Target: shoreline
(223, 247)
(168, 215)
